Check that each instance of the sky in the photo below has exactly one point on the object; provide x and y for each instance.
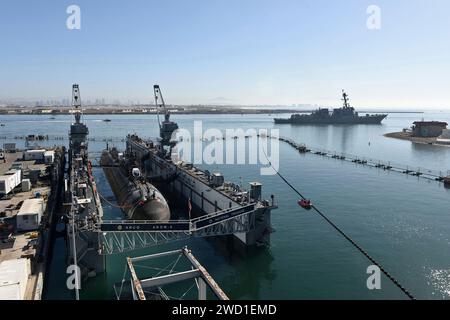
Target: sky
(251, 52)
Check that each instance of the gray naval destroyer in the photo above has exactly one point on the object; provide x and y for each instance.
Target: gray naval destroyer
(202, 194)
(344, 115)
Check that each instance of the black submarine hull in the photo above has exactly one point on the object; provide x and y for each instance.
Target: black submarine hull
(138, 200)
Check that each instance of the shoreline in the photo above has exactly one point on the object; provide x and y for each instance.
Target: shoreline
(407, 136)
(115, 110)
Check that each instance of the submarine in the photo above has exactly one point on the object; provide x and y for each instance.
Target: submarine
(138, 198)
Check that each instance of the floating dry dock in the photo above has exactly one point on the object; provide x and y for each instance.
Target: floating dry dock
(219, 208)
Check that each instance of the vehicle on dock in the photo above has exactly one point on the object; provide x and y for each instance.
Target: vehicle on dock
(344, 115)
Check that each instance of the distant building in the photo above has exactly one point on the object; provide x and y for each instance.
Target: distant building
(444, 138)
(428, 129)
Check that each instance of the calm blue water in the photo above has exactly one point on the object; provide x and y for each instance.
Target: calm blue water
(402, 221)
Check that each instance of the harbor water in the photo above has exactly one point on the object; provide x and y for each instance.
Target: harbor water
(402, 221)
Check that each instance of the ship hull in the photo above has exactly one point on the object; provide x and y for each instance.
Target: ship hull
(138, 201)
(375, 119)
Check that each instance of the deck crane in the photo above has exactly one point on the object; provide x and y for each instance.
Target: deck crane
(167, 127)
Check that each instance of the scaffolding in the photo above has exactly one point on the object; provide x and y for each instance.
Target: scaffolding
(151, 288)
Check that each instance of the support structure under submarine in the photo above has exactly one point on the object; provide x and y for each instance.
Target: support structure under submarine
(137, 197)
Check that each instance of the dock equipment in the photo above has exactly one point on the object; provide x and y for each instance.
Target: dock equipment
(151, 288)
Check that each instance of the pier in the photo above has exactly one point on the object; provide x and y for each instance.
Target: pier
(30, 195)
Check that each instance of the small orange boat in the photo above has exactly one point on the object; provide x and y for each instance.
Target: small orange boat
(305, 204)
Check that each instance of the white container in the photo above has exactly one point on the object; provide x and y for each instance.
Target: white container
(30, 215)
(17, 174)
(10, 180)
(34, 155)
(26, 185)
(14, 276)
(6, 185)
(49, 157)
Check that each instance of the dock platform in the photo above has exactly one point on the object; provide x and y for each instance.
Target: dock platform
(30, 245)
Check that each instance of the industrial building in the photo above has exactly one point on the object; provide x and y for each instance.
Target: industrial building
(428, 129)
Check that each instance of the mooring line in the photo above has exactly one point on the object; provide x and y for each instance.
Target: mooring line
(348, 238)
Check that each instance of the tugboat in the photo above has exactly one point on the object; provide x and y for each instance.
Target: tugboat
(344, 115)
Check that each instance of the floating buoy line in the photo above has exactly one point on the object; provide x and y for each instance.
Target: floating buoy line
(341, 232)
(423, 173)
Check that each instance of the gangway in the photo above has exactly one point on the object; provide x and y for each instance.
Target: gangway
(118, 236)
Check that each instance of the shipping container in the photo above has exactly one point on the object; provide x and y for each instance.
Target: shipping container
(30, 215)
(34, 155)
(9, 181)
(49, 157)
(17, 174)
(14, 276)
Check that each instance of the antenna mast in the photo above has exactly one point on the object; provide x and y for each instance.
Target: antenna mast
(345, 99)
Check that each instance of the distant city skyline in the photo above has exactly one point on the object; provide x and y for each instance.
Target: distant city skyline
(217, 52)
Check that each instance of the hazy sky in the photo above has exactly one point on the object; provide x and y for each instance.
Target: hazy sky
(229, 51)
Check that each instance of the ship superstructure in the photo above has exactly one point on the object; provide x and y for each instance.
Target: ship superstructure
(344, 115)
